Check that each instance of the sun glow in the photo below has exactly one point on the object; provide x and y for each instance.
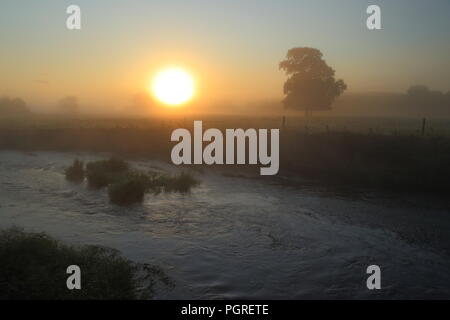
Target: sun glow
(173, 86)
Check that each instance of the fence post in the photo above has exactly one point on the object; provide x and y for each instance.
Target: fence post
(424, 120)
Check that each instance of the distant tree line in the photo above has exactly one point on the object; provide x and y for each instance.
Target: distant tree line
(311, 86)
(69, 105)
(422, 96)
(417, 101)
(13, 106)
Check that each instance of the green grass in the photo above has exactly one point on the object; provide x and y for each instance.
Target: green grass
(181, 182)
(394, 163)
(75, 173)
(127, 186)
(104, 172)
(33, 266)
(128, 189)
(131, 187)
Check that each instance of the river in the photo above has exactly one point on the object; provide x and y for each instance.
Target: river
(239, 238)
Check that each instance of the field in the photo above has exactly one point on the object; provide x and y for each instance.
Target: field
(393, 153)
(435, 126)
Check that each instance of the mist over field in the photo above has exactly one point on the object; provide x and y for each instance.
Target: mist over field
(224, 149)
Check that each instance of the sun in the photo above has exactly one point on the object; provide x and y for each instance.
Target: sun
(173, 86)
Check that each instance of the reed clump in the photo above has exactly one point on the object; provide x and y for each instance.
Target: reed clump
(75, 173)
(127, 186)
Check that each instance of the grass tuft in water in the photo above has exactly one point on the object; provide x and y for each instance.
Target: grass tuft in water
(129, 189)
(75, 173)
(104, 172)
(125, 185)
(182, 182)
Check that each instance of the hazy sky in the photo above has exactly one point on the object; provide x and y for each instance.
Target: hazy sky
(232, 47)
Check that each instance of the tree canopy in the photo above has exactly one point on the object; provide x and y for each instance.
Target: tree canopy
(16, 106)
(68, 105)
(311, 84)
(422, 98)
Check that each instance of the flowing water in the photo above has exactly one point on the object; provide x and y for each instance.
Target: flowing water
(234, 237)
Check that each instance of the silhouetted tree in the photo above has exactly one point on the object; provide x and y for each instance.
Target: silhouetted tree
(417, 91)
(14, 106)
(311, 84)
(69, 105)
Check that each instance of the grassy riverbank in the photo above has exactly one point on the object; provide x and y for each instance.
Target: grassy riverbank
(388, 162)
(33, 266)
(395, 160)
